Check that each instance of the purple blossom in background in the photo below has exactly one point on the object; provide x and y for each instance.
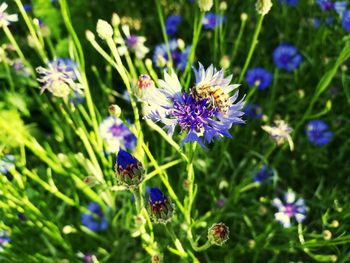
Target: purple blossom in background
(318, 132)
(212, 20)
(289, 208)
(287, 57)
(172, 23)
(325, 5)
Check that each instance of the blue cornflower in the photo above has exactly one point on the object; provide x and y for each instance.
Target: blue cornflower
(172, 23)
(346, 20)
(7, 163)
(212, 20)
(318, 133)
(159, 207)
(258, 77)
(179, 57)
(199, 118)
(116, 135)
(287, 57)
(253, 111)
(289, 2)
(61, 78)
(340, 7)
(325, 5)
(265, 174)
(4, 239)
(27, 7)
(291, 208)
(95, 220)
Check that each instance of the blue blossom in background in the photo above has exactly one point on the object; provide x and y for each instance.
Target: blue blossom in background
(325, 5)
(289, 2)
(258, 77)
(7, 163)
(318, 132)
(27, 7)
(199, 119)
(172, 23)
(346, 20)
(4, 239)
(212, 20)
(179, 56)
(116, 135)
(95, 220)
(340, 7)
(287, 57)
(289, 209)
(253, 111)
(264, 175)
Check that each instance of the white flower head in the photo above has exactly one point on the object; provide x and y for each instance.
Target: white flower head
(280, 133)
(263, 6)
(205, 5)
(104, 29)
(5, 18)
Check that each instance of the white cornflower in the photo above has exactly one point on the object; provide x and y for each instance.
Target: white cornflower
(280, 133)
(5, 18)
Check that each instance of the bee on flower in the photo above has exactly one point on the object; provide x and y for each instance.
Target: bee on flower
(5, 18)
(280, 133)
(134, 43)
(205, 113)
(61, 78)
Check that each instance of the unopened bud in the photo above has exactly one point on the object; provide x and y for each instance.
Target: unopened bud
(205, 5)
(327, 235)
(104, 29)
(223, 6)
(181, 44)
(115, 19)
(129, 171)
(218, 234)
(145, 82)
(114, 110)
(89, 35)
(263, 6)
(244, 17)
(225, 62)
(159, 207)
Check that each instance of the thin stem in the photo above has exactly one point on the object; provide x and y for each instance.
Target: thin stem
(238, 40)
(252, 48)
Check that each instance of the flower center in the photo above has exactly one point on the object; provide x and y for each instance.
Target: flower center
(116, 130)
(289, 210)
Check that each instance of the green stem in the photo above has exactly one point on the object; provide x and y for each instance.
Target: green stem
(190, 180)
(238, 40)
(252, 48)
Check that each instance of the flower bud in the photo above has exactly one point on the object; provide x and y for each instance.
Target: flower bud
(263, 6)
(145, 82)
(327, 235)
(89, 35)
(223, 6)
(159, 207)
(244, 17)
(114, 110)
(181, 44)
(104, 29)
(129, 171)
(218, 234)
(115, 19)
(205, 5)
(225, 62)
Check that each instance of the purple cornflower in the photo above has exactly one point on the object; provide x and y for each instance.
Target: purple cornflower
(325, 5)
(134, 43)
(95, 220)
(179, 56)
(318, 133)
(4, 239)
(290, 209)
(172, 23)
(289, 2)
(7, 163)
(212, 20)
(61, 78)
(287, 57)
(253, 111)
(264, 175)
(159, 207)
(200, 119)
(346, 20)
(258, 77)
(116, 135)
